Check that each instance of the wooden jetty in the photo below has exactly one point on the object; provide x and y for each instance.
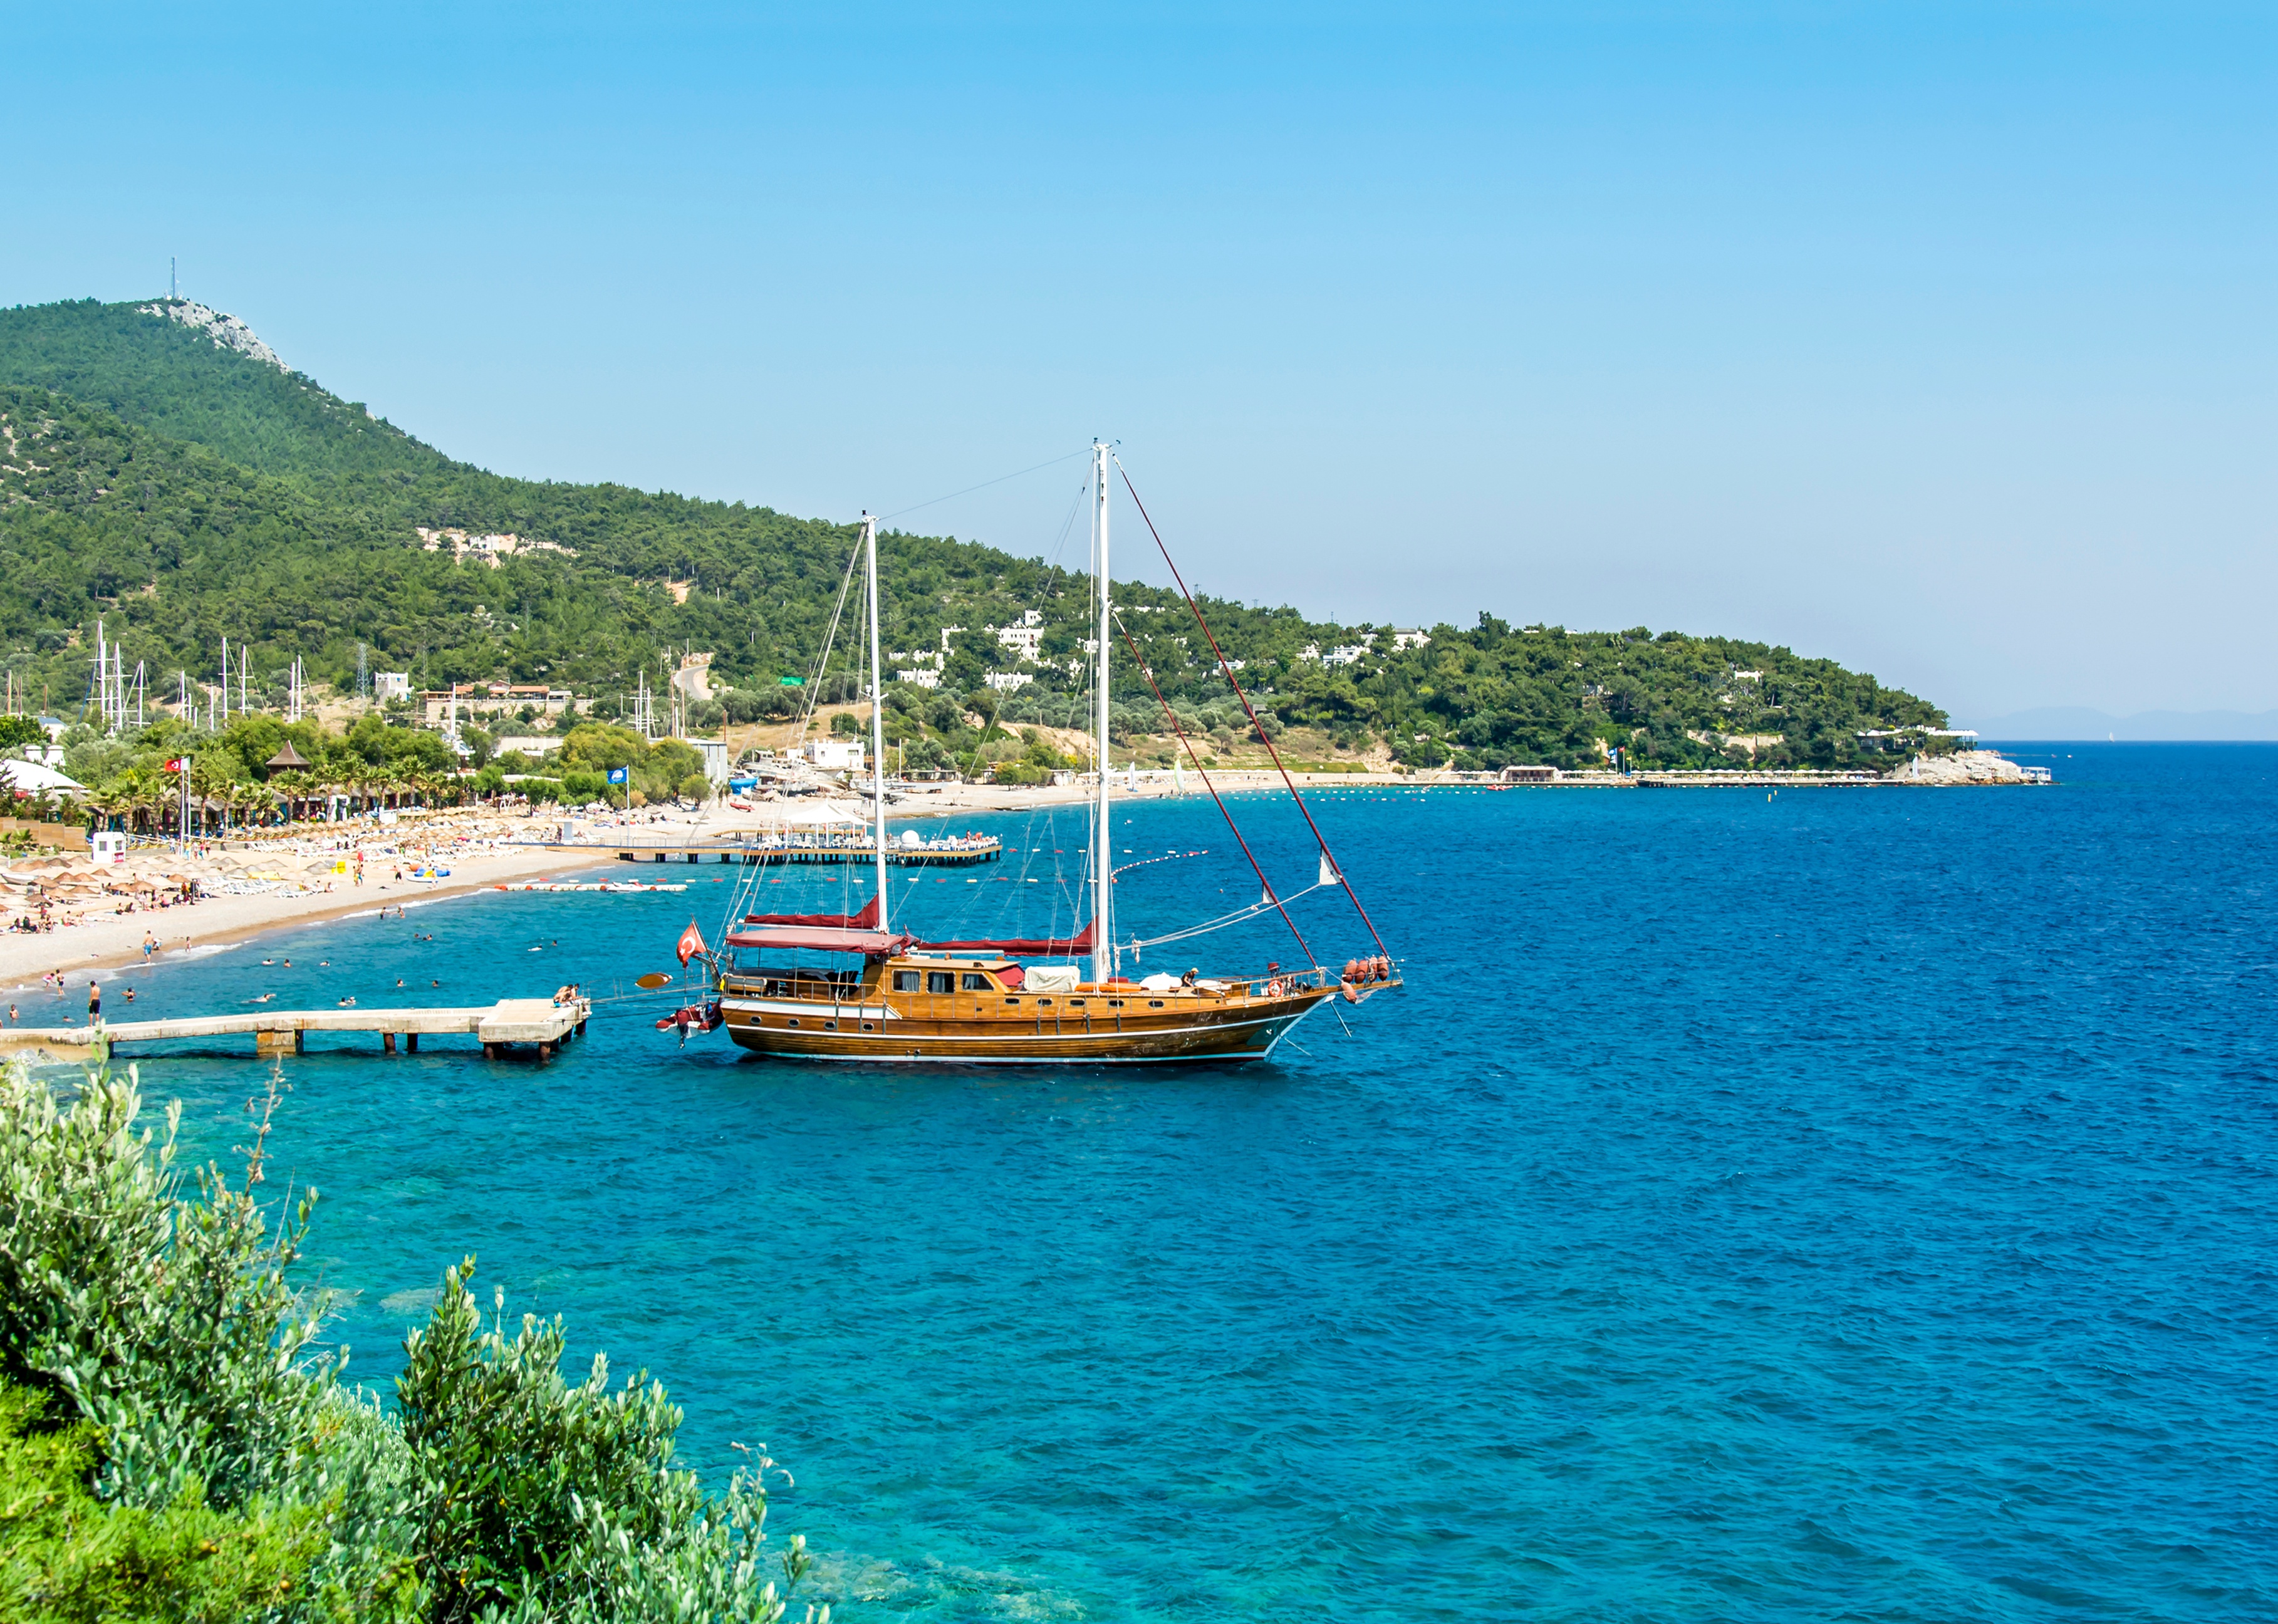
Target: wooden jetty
(898, 857)
(537, 1021)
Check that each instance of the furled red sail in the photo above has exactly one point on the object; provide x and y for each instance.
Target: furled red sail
(1024, 947)
(822, 938)
(866, 920)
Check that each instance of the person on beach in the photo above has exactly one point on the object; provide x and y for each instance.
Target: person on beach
(149, 945)
(94, 1001)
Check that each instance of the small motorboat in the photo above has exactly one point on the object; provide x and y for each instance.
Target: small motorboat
(694, 1018)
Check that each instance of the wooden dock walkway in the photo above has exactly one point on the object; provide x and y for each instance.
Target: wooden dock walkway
(514, 1021)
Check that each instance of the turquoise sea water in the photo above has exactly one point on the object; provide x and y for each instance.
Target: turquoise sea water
(1850, 1205)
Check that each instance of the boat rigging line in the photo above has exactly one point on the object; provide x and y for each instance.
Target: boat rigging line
(1227, 666)
(984, 485)
(1147, 671)
(1238, 916)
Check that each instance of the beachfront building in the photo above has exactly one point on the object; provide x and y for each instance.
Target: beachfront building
(832, 754)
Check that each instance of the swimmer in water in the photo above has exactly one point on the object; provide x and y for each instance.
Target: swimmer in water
(348, 1003)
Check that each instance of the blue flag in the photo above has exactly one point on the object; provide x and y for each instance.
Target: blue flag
(616, 775)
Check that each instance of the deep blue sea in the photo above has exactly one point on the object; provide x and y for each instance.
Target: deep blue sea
(1838, 1205)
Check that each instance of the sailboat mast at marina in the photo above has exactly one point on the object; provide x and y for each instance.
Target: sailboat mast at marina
(859, 986)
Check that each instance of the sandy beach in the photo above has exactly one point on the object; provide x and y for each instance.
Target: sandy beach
(100, 941)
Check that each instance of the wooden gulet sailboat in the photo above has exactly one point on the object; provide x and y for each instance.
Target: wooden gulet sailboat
(885, 996)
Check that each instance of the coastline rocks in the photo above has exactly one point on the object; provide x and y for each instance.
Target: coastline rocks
(1963, 767)
(226, 331)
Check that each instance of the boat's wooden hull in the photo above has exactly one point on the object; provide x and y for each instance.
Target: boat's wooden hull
(1203, 1031)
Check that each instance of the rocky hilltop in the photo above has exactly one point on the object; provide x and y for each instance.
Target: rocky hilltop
(227, 332)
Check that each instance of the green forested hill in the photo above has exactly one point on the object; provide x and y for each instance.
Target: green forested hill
(185, 492)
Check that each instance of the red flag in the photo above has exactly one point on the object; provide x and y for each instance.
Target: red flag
(692, 942)
(175, 765)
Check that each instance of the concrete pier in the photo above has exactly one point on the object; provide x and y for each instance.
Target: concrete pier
(537, 1021)
(896, 856)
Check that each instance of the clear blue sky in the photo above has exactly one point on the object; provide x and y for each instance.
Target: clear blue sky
(1937, 340)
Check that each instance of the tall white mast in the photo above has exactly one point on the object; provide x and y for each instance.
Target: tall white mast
(877, 714)
(1103, 863)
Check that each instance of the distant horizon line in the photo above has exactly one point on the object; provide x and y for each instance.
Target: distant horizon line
(2083, 724)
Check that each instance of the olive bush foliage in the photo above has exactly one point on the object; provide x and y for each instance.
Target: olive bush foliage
(165, 1322)
(173, 1445)
(542, 1500)
(66, 1556)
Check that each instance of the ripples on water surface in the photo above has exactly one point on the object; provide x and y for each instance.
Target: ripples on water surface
(1857, 1205)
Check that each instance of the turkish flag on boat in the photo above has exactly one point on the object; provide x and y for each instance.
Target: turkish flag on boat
(692, 942)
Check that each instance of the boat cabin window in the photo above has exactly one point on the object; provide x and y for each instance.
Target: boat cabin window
(1154, 1003)
(941, 981)
(905, 981)
(1010, 1001)
(1076, 1003)
(976, 983)
(1043, 1001)
(1115, 1003)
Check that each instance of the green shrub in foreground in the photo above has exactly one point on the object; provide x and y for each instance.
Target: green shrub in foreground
(170, 1449)
(66, 1557)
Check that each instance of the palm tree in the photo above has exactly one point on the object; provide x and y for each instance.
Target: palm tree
(293, 787)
